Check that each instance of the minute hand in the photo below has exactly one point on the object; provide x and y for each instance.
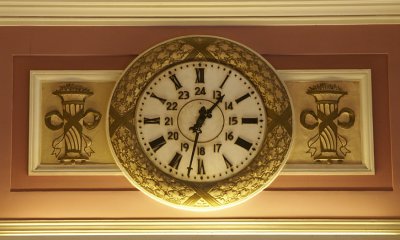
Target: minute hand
(189, 168)
(196, 128)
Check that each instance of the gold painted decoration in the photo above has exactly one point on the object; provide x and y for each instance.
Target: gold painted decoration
(200, 123)
(332, 145)
(67, 127)
(332, 112)
(72, 145)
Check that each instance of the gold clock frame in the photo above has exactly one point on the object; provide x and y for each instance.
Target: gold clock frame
(177, 193)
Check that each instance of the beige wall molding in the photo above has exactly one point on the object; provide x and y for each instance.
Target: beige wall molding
(358, 139)
(196, 12)
(201, 227)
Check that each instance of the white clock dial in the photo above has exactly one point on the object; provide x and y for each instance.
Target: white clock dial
(200, 121)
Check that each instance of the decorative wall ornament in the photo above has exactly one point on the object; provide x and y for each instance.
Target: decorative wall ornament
(332, 145)
(333, 122)
(73, 145)
(67, 131)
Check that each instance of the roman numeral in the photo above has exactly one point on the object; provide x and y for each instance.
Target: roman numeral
(199, 75)
(243, 143)
(242, 98)
(176, 82)
(157, 143)
(227, 162)
(162, 100)
(175, 161)
(249, 120)
(226, 78)
(200, 166)
(152, 120)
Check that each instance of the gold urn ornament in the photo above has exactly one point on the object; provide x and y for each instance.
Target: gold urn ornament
(332, 145)
(73, 145)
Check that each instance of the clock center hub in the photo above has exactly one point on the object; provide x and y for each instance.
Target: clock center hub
(211, 127)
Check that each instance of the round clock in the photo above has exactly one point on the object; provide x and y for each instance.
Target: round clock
(200, 123)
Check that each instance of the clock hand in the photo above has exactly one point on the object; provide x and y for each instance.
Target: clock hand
(200, 120)
(196, 128)
(204, 114)
(209, 111)
(196, 138)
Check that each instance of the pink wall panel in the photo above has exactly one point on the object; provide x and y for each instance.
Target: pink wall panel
(25, 48)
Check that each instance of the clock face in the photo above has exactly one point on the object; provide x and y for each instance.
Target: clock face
(200, 121)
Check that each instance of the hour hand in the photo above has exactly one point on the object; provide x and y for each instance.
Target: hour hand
(209, 111)
(196, 128)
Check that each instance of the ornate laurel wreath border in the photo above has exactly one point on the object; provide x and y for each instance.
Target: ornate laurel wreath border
(148, 178)
(322, 227)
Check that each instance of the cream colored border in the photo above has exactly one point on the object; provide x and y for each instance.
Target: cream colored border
(197, 12)
(200, 227)
(37, 78)
(363, 76)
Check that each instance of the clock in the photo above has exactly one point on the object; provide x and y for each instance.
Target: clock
(200, 123)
